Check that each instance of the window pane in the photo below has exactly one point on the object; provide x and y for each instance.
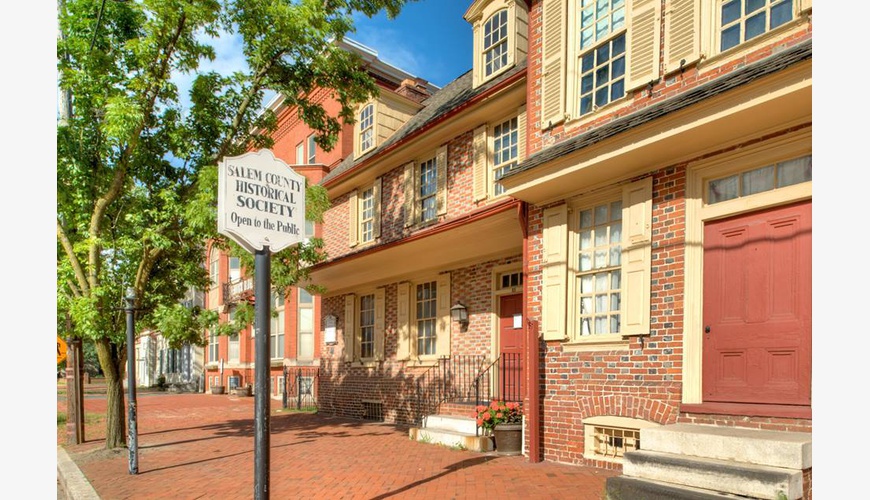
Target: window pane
(794, 171)
(780, 14)
(730, 12)
(722, 189)
(585, 261)
(730, 37)
(753, 5)
(755, 25)
(601, 214)
(757, 181)
(585, 239)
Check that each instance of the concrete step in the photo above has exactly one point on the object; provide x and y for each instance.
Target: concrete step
(466, 425)
(749, 480)
(451, 438)
(790, 450)
(632, 488)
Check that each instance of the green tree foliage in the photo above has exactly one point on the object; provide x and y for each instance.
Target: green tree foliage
(137, 173)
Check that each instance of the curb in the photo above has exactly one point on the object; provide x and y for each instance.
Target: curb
(74, 484)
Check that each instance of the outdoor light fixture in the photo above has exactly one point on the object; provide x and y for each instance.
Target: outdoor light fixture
(460, 313)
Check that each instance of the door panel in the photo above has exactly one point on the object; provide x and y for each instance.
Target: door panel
(758, 307)
(510, 347)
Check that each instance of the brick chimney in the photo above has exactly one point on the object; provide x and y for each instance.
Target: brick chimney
(414, 89)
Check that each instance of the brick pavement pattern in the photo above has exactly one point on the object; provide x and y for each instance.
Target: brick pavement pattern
(202, 446)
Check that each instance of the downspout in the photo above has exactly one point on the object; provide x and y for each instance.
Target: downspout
(533, 411)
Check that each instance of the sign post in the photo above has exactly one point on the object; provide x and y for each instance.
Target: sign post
(261, 206)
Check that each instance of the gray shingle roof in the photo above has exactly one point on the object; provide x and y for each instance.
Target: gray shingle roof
(736, 78)
(454, 94)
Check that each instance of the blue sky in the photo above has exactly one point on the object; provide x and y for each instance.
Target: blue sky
(428, 39)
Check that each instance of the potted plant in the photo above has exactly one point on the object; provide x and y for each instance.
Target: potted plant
(503, 421)
(217, 389)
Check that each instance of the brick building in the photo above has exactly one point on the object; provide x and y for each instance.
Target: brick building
(608, 219)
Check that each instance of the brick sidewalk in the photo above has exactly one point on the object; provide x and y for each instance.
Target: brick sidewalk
(202, 446)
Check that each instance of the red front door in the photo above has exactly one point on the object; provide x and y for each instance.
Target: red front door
(758, 307)
(510, 337)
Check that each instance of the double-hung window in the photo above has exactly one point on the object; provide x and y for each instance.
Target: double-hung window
(495, 42)
(305, 312)
(300, 153)
(598, 277)
(367, 215)
(364, 326)
(312, 149)
(212, 346)
(426, 317)
(425, 186)
(367, 127)
(214, 267)
(235, 269)
(743, 20)
(601, 49)
(367, 326)
(505, 146)
(276, 333)
(428, 190)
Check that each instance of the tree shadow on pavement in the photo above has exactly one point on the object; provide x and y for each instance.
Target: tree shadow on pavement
(465, 464)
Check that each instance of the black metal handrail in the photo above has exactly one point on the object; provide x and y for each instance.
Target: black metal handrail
(501, 380)
(452, 378)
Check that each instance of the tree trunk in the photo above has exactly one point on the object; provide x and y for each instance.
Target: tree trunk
(112, 359)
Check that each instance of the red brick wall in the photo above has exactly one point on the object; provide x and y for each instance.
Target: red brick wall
(460, 178)
(292, 130)
(343, 387)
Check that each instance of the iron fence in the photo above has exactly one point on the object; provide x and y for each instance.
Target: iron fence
(300, 387)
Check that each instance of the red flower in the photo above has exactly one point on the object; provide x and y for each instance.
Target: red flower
(479, 421)
(494, 405)
(499, 415)
(487, 416)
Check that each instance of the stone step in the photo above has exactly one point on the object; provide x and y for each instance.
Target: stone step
(749, 480)
(451, 438)
(632, 488)
(466, 425)
(790, 450)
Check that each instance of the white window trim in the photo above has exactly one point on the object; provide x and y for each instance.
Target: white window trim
(358, 130)
(479, 20)
(300, 153)
(311, 153)
(279, 308)
(490, 157)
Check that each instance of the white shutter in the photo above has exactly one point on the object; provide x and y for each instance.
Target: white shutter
(553, 63)
(643, 43)
(410, 204)
(403, 321)
(682, 34)
(376, 202)
(380, 322)
(481, 167)
(636, 256)
(442, 341)
(441, 172)
(353, 219)
(349, 327)
(555, 272)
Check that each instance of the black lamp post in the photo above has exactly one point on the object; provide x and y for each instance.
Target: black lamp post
(130, 301)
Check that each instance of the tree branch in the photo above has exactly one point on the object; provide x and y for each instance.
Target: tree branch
(71, 255)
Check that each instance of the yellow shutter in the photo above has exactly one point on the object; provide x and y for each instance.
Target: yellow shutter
(349, 330)
(442, 341)
(477, 65)
(409, 194)
(682, 34)
(376, 193)
(403, 321)
(643, 43)
(353, 219)
(555, 272)
(481, 167)
(521, 133)
(553, 64)
(806, 5)
(380, 322)
(636, 256)
(441, 172)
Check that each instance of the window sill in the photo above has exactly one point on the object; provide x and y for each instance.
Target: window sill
(602, 343)
(573, 123)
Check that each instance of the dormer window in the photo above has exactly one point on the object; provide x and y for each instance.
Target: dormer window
(500, 36)
(367, 127)
(495, 42)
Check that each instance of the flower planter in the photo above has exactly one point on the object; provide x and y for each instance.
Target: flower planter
(508, 439)
(217, 389)
(243, 391)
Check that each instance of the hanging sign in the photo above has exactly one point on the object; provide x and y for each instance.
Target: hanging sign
(61, 350)
(261, 202)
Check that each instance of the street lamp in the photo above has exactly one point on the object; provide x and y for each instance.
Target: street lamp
(130, 301)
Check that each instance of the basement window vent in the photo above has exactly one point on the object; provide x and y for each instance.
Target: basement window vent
(613, 442)
(373, 410)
